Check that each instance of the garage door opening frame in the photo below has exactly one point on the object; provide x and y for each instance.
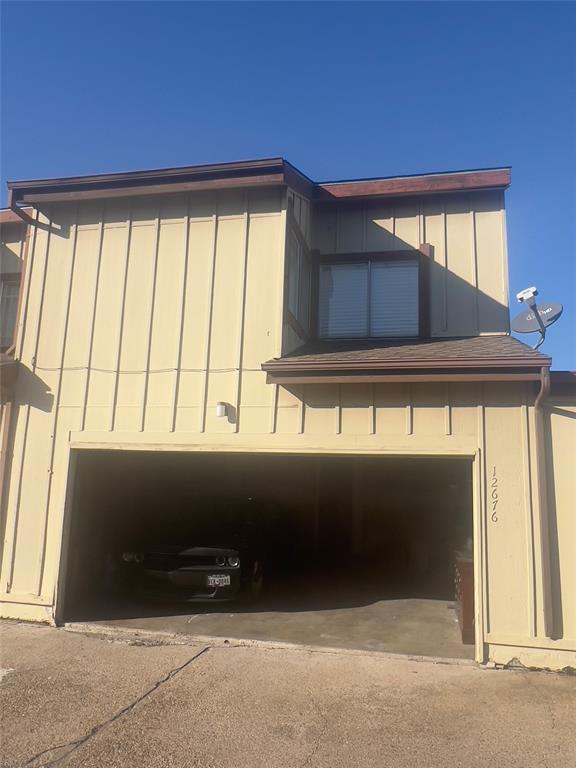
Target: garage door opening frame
(472, 455)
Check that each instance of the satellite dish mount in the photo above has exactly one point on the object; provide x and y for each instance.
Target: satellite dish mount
(537, 317)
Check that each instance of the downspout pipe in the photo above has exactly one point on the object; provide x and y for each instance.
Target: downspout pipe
(26, 218)
(542, 469)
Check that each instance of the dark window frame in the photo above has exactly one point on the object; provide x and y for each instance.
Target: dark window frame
(14, 278)
(306, 257)
(422, 255)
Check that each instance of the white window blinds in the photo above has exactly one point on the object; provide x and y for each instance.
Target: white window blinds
(343, 300)
(370, 298)
(394, 298)
(8, 307)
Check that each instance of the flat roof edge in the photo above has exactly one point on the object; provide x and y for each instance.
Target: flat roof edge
(266, 171)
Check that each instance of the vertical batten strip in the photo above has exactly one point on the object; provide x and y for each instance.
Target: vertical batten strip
(339, 411)
(504, 238)
(409, 411)
(22, 310)
(274, 412)
(93, 324)
(56, 408)
(13, 538)
(421, 224)
(478, 554)
(372, 410)
(282, 250)
(301, 411)
(176, 388)
(445, 270)
(209, 322)
(475, 270)
(448, 411)
(246, 236)
(531, 553)
(121, 325)
(151, 323)
(482, 551)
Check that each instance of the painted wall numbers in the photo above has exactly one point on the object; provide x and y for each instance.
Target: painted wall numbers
(494, 497)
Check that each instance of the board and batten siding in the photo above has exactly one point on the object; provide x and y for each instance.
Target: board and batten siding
(469, 270)
(140, 316)
(12, 247)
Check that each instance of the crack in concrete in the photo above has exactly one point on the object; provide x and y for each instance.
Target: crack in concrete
(315, 749)
(71, 746)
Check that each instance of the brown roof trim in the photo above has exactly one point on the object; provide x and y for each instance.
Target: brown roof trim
(108, 179)
(401, 377)
(563, 384)
(563, 377)
(7, 216)
(293, 365)
(240, 175)
(493, 178)
(243, 174)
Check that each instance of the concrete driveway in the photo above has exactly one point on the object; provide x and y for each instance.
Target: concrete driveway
(69, 699)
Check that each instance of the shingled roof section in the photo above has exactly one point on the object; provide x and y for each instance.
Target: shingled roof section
(485, 356)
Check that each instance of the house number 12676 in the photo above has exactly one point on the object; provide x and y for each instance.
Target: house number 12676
(494, 495)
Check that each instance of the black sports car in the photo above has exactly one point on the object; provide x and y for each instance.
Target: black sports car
(213, 553)
(195, 572)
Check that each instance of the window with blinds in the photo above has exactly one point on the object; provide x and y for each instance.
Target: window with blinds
(9, 289)
(299, 283)
(368, 299)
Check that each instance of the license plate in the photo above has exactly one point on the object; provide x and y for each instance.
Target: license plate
(219, 581)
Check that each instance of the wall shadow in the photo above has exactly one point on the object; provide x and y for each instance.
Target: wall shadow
(32, 390)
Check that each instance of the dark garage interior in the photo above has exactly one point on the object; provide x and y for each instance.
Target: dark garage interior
(355, 551)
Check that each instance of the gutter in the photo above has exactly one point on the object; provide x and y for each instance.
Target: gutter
(540, 427)
(20, 212)
(303, 366)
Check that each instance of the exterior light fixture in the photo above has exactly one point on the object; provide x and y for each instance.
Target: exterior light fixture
(221, 410)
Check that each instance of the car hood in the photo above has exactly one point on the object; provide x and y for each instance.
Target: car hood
(187, 549)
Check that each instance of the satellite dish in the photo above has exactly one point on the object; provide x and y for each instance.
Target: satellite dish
(527, 322)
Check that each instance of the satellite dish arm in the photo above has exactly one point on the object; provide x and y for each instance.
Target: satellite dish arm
(532, 304)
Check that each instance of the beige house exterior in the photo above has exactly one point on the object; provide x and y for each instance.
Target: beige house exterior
(149, 298)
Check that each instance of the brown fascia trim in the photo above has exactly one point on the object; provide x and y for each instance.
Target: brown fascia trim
(402, 378)
(252, 173)
(459, 181)
(563, 384)
(287, 366)
(241, 175)
(9, 216)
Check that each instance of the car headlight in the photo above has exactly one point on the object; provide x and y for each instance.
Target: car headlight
(234, 561)
(220, 561)
(132, 557)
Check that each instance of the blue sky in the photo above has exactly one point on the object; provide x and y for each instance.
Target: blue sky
(342, 90)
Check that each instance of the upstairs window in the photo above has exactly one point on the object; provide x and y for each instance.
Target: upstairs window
(9, 290)
(299, 283)
(372, 298)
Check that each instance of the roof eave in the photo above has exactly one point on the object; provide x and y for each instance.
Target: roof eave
(325, 367)
(402, 377)
(248, 173)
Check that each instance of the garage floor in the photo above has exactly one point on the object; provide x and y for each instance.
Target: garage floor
(340, 617)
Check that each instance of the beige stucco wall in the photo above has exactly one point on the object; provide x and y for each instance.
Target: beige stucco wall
(141, 316)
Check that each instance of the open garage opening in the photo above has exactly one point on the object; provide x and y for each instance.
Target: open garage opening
(368, 552)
